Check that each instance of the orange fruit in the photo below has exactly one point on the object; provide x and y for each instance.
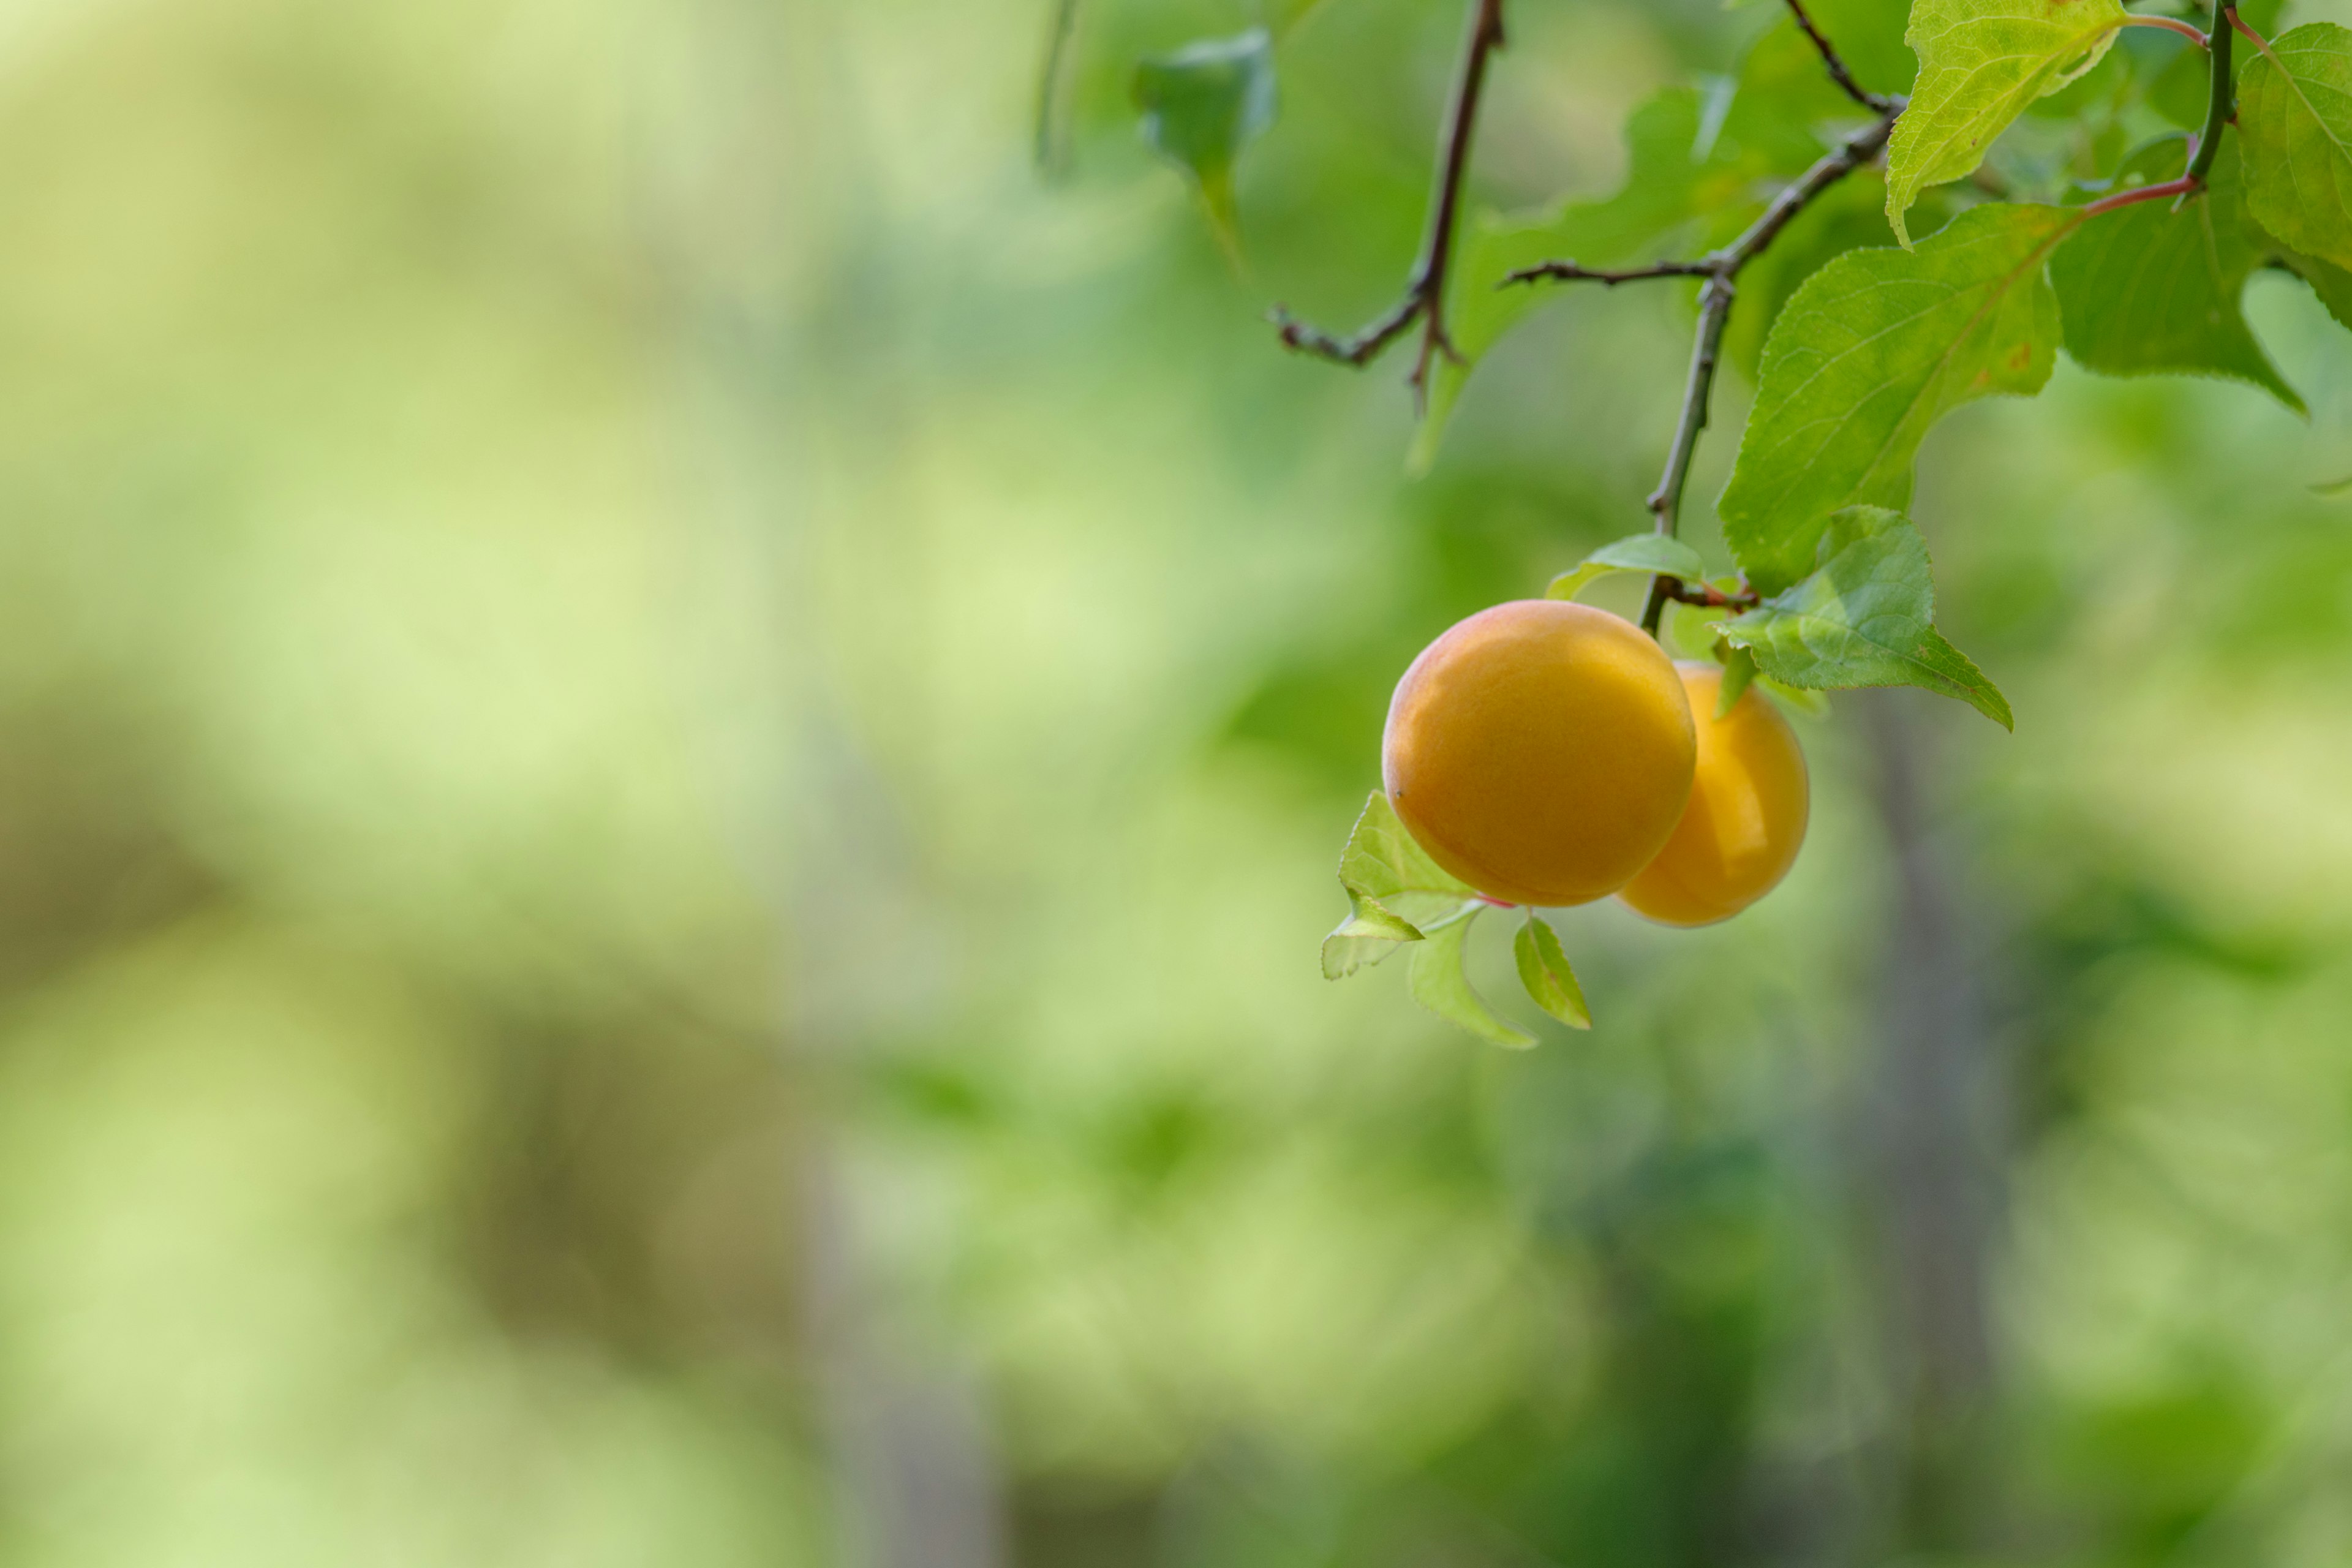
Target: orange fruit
(1541, 752)
(1746, 821)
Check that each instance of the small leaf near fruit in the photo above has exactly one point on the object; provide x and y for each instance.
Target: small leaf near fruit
(1438, 981)
(1392, 885)
(1653, 553)
(1544, 971)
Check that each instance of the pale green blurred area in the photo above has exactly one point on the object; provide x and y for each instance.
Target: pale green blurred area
(671, 748)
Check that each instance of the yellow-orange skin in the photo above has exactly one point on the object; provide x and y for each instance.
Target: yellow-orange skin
(1746, 820)
(1541, 752)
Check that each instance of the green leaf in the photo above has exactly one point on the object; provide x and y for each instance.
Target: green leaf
(1392, 887)
(1876, 347)
(1738, 674)
(2146, 289)
(1438, 981)
(1981, 62)
(1654, 553)
(1545, 971)
(1849, 215)
(2294, 113)
(1202, 105)
(1866, 617)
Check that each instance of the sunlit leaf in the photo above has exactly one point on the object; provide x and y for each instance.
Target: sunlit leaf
(2294, 113)
(1654, 553)
(2150, 288)
(1202, 105)
(1544, 971)
(1438, 981)
(1873, 348)
(1981, 63)
(1865, 617)
(1392, 887)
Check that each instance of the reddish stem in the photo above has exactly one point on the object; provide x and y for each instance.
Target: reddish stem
(2187, 184)
(2252, 36)
(2188, 30)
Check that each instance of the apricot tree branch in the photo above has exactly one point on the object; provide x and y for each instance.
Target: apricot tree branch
(1877, 104)
(1570, 272)
(1425, 293)
(1665, 502)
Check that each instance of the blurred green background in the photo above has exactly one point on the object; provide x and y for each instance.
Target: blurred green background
(672, 740)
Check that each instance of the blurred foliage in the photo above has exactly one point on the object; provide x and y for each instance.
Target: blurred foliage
(671, 740)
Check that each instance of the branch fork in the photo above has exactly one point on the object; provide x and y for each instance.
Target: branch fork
(1424, 292)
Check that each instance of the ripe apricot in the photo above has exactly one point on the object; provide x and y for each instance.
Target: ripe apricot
(1540, 751)
(1746, 820)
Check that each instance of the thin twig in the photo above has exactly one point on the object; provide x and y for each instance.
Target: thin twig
(1851, 154)
(1877, 104)
(1570, 272)
(1424, 292)
(1665, 502)
(2187, 186)
(1707, 596)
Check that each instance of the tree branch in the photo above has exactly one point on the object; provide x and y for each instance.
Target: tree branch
(1877, 104)
(1570, 272)
(1425, 293)
(1665, 501)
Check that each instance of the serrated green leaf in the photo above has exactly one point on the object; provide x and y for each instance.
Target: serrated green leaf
(1653, 553)
(2148, 288)
(2294, 116)
(1202, 105)
(1849, 215)
(1738, 674)
(1865, 617)
(1873, 348)
(1392, 887)
(1981, 63)
(1544, 971)
(1438, 981)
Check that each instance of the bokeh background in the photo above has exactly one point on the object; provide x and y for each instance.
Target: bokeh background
(672, 740)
